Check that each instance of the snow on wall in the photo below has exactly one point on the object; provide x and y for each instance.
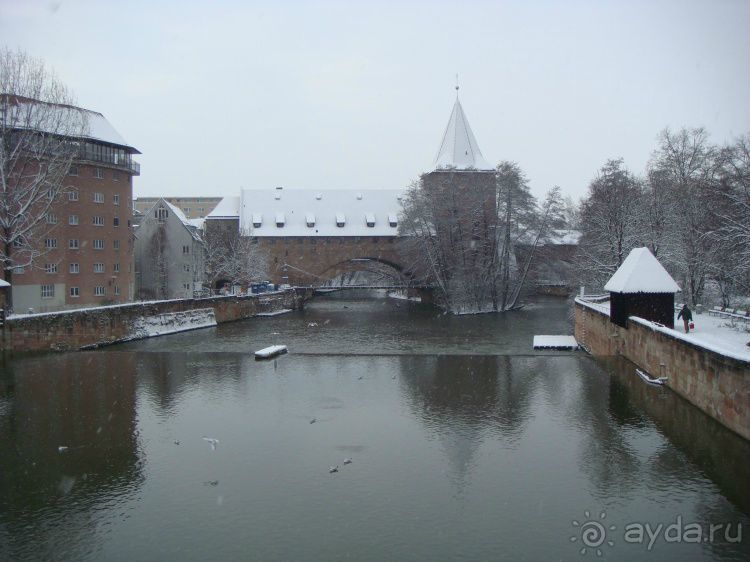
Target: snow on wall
(173, 322)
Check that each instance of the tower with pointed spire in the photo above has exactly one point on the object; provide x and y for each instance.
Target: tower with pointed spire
(462, 189)
(459, 149)
(461, 169)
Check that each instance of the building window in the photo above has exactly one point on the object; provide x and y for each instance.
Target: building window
(74, 268)
(115, 175)
(98, 173)
(115, 199)
(201, 209)
(48, 291)
(98, 268)
(73, 195)
(98, 197)
(186, 249)
(98, 244)
(18, 270)
(99, 291)
(160, 214)
(186, 286)
(74, 292)
(73, 220)
(116, 221)
(50, 243)
(116, 244)
(73, 170)
(50, 268)
(186, 210)
(186, 267)
(51, 218)
(116, 268)
(117, 290)
(97, 221)
(73, 244)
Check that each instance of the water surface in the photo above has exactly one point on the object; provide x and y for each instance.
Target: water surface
(465, 445)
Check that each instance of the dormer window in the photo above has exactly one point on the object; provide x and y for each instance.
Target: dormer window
(310, 220)
(392, 220)
(257, 220)
(280, 220)
(340, 220)
(370, 219)
(161, 214)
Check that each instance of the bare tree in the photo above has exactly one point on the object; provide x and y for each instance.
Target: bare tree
(459, 231)
(688, 163)
(39, 134)
(730, 227)
(232, 257)
(609, 222)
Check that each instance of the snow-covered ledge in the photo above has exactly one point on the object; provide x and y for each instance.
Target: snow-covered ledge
(602, 307)
(720, 340)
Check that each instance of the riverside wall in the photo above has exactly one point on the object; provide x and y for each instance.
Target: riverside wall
(717, 384)
(92, 327)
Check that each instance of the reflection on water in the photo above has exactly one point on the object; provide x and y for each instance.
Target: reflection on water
(69, 446)
(455, 455)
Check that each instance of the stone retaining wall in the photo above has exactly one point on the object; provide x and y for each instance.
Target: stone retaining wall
(90, 327)
(717, 384)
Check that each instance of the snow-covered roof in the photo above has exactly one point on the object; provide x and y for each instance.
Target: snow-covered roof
(641, 272)
(197, 223)
(179, 215)
(53, 118)
(176, 210)
(327, 208)
(459, 149)
(228, 208)
(4, 283)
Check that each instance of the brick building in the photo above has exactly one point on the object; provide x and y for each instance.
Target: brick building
(87, 250)
(312, 236)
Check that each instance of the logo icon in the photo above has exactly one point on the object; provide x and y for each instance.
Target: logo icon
(592, 533)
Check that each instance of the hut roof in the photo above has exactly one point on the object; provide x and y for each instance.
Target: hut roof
(641, 272)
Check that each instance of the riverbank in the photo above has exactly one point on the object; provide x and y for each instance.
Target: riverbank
(95, 327)
(715, 378)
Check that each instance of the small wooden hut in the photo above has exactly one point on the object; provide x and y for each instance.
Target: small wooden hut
(641, 287)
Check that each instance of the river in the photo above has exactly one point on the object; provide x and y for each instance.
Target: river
(465, 445)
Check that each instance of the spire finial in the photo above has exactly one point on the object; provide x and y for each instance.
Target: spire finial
(457, 86)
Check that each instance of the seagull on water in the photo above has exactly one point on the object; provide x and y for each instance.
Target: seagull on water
(212, 441)
(333, 469)
(347, 461)
(313, 420)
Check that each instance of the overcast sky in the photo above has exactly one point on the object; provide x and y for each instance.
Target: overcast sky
(223, 95)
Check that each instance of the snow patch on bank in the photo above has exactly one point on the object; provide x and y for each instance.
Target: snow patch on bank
(173, 322)
(400, 295)
(275, 313)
